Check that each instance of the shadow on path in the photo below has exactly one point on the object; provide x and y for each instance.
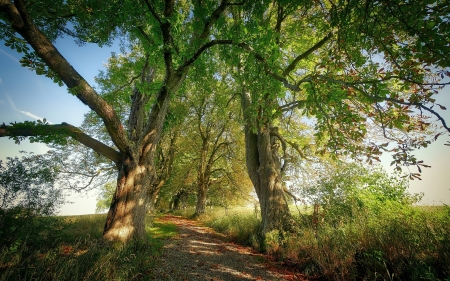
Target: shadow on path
(199, 253)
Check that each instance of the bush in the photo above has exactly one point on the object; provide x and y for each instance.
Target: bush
(26, 192)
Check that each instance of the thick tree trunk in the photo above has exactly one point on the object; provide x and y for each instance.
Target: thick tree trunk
(264, 169)
(275, 212)
(126, 216)
(200, 207)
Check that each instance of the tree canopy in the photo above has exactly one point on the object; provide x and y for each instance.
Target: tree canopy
(312, 77)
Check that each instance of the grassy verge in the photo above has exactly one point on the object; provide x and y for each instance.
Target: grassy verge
(71, 249)
(392, 242)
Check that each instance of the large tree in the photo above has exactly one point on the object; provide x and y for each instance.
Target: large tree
(347, 66)
(170, 35)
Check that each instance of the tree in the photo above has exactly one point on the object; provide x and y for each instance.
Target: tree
(352, 65)
(105, 196)
(170, 40)
(212, 127)
(345, 66)
(28, 185)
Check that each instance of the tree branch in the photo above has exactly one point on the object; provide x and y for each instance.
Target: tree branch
(153, 12)
(60, 129)
(378, 98)
(294, 63)
(22, 23)
(212, 19)
(203, 48)
(267, 69)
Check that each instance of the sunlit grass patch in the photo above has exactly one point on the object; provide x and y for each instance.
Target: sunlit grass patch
(162, 230)
(75, 251)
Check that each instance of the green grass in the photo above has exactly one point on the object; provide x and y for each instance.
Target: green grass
(72, 249)
(388, 242)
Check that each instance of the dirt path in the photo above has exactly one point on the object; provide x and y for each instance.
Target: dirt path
(199, 253)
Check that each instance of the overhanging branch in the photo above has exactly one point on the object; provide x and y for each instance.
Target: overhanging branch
(60, 129)
(202, 49)
(21, 21)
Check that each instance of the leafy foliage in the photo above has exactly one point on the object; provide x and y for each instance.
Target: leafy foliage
(27, 192)
(105, 196)
(28, 183)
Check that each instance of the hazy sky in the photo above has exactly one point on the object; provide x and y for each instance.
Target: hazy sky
(27, 96)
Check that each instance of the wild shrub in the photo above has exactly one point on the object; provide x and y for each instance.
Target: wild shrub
(366, 227)
(27, 199)
(240, 228)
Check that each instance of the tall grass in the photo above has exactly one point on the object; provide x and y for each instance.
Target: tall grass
(388, 242)
(74, 251)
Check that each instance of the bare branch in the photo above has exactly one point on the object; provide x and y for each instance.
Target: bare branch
(291, 105)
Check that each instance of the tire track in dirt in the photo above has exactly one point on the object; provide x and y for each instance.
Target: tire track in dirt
(199, 253)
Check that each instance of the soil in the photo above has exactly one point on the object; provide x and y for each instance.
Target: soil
(200, 253)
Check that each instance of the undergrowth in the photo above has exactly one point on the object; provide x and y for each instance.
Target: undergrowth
(388, 242)
(71, 248)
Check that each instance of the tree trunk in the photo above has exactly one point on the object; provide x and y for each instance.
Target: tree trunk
(126, 216)
(200, 208)
(264, 169)
(152, 200)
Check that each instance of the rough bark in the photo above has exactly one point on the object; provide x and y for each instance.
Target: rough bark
(200, 207)
(126, 216)
(264, 169)
(136, 148)
(125, 220)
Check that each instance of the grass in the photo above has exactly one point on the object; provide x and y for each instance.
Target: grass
(386, 242)
(72, 249)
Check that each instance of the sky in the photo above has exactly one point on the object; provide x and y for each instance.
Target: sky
(27, 96)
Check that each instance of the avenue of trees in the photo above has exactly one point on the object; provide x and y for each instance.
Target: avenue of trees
(204, 84)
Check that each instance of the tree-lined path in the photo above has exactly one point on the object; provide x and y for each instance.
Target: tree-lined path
(199, 253)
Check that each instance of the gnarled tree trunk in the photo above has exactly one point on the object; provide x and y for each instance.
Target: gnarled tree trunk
(126, 216)
(264, 169)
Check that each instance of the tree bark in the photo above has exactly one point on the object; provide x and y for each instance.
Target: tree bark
(200, 206)
(126, 216)
(264, 169)
(136, 147)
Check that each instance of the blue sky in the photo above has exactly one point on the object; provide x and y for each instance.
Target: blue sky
(27, 96)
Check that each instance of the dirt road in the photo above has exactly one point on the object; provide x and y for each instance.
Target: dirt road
(199, 253)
